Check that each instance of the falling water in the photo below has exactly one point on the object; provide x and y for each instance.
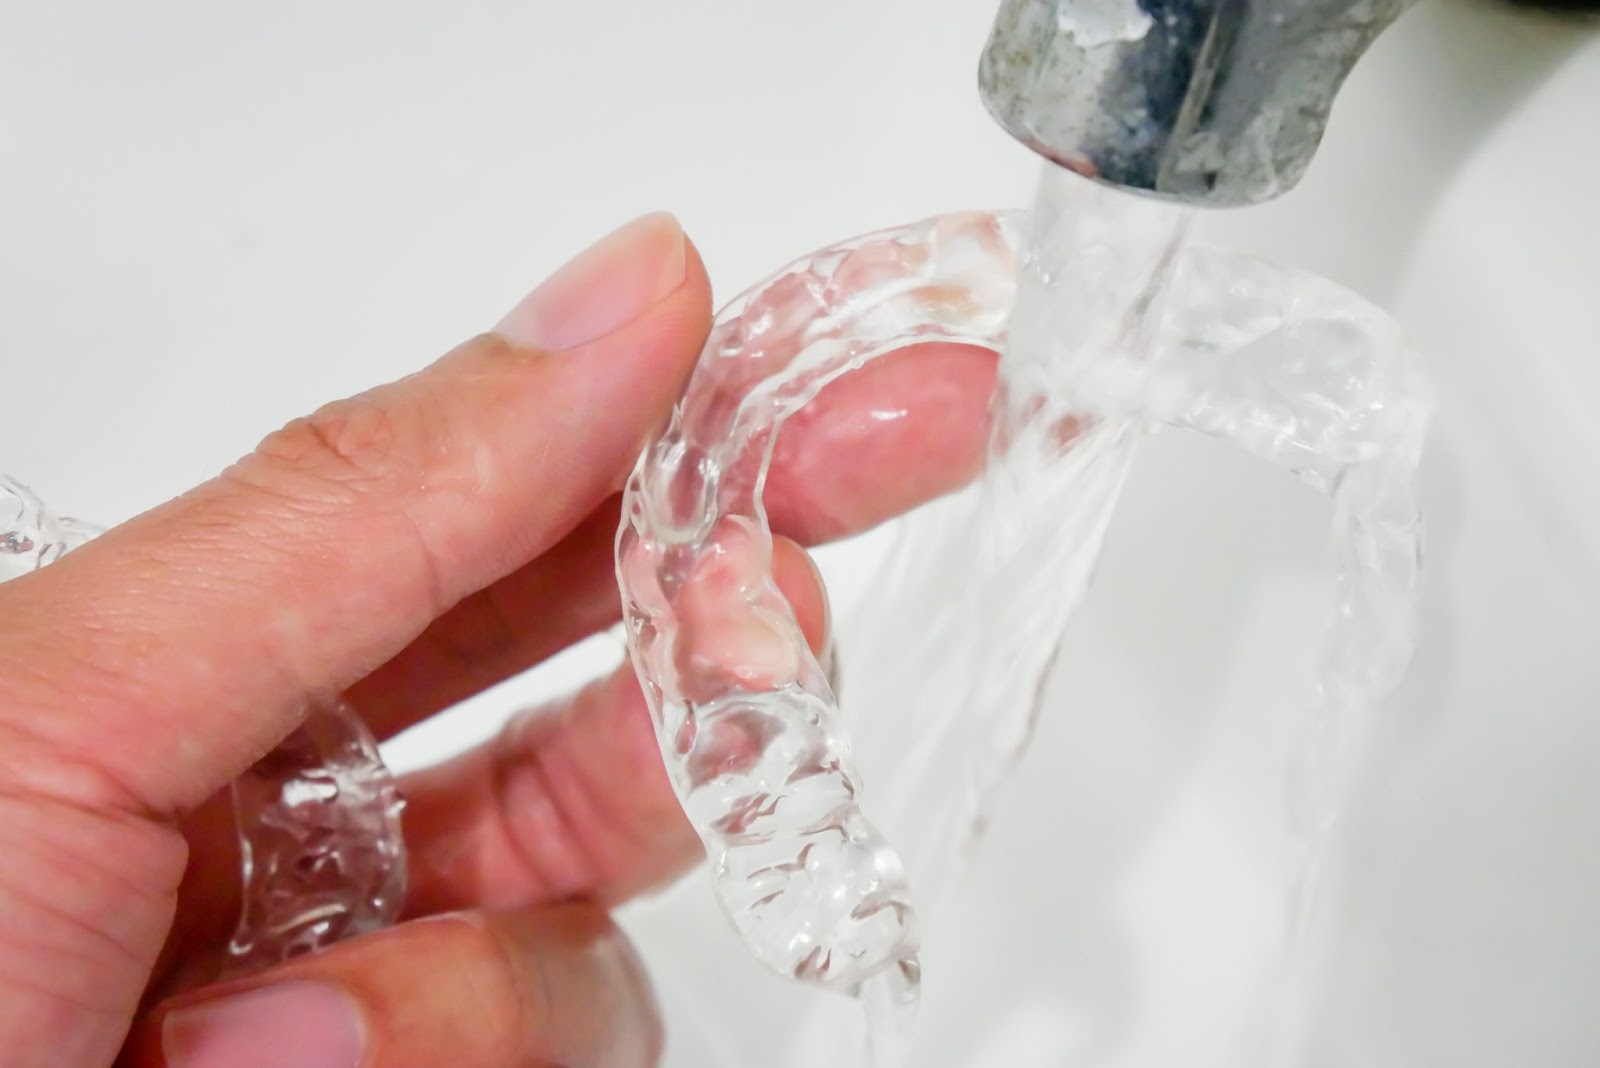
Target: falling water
(1119, 327)
(1109, 325)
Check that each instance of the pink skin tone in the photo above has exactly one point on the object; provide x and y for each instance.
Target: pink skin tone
(408, 548)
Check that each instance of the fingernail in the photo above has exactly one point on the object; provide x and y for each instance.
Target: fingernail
(303, 1023)
(825, 651)
(750, 648)
(604, 288)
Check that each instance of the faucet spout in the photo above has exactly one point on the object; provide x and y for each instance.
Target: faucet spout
(1208, 102)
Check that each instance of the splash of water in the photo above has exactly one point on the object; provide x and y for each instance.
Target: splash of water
(1114, 326)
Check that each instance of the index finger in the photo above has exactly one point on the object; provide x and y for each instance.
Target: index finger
(150, 667)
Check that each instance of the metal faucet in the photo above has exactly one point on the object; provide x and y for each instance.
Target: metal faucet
(1207, 102)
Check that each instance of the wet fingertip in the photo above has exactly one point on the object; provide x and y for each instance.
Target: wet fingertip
(754, 649)
(798, 577)
(881, 440)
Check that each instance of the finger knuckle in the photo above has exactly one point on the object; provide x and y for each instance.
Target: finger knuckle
(363, 467)
(351, 447)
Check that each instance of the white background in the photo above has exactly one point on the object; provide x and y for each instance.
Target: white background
(214, 217)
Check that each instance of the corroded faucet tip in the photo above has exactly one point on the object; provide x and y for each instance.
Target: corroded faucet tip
(1208, 102)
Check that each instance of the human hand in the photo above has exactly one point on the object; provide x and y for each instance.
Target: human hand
(405, 548)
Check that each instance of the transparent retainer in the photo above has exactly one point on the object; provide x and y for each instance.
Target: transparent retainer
(323, 857)
(1292, 368)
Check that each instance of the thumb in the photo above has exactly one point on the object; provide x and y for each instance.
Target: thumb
(508, 989)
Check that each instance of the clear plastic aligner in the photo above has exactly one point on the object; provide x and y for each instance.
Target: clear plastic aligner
(30, 536)
(764, 771)
(318, 817)
(321, 846)
(1117, 326)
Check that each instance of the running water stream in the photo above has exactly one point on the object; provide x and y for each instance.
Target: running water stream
(1109, 325)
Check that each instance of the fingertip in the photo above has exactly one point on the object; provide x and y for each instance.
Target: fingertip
(894, 434)
(603, 288)
(798, 577)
